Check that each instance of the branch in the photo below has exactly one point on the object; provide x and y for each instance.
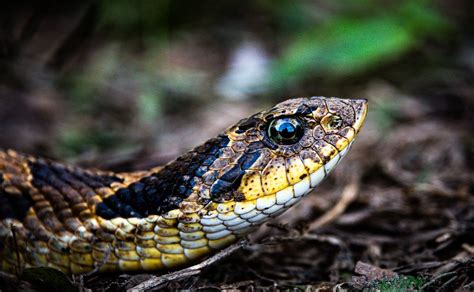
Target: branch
(349, 194)
(193, 270)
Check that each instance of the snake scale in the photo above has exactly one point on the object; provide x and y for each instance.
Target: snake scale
(77, 220)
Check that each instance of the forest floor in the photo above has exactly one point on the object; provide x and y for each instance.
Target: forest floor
(396, 214)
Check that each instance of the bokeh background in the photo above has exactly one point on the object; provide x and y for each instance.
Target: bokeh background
(127, 85)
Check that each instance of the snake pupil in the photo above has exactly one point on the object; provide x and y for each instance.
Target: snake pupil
(285, 131)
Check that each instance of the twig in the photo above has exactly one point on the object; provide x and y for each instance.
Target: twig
(468, 248)
(8, 276)
(193, 270)
(348, 195)
(80, 278)
(312, 237)
(18, 267)
(237, 285)
(99, 265)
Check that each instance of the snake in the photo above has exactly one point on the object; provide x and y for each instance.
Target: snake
(80, 220)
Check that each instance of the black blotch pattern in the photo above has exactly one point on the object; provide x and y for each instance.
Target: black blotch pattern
(165, 190)
(247, 124)
(254, 146)
(13, 206)
(224, 188)
(105, 212)
(59, 176)
(233, 174)
(220, 188)
(304, 110)
(248, 159)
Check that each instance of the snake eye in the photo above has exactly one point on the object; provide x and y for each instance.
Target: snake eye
(334, 123)
(285, 131)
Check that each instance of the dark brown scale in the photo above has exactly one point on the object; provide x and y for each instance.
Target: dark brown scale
(54, 197)
(52, 174)
(246, 124)
(304, 110)
(67, 177)
(165, 190)
(318, 145)
(343, 110)
(254, 146)
(58, 184)
(345, 131)
(209, 177)
(13, 205)
(233, 174)
(262, 160)
(221, 190)
(66, 189)
(306, 141)
(318, 133)
(333, 139)
(248, 159)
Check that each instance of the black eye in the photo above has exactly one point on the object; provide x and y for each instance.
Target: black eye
(285, 130)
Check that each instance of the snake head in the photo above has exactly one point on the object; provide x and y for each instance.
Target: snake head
(275, 157)
(263, 164)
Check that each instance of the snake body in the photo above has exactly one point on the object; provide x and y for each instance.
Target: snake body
(77, 220)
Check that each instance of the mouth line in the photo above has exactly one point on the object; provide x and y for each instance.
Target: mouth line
(314, 179)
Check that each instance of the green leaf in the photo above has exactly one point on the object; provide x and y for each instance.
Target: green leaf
(346, 46)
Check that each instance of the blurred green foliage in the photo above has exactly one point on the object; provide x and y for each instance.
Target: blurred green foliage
(109, 98)
(347, 45)
(146, 19)
(144, 50)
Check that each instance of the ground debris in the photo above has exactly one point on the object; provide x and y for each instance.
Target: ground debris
(369, 273)
(398, 213)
